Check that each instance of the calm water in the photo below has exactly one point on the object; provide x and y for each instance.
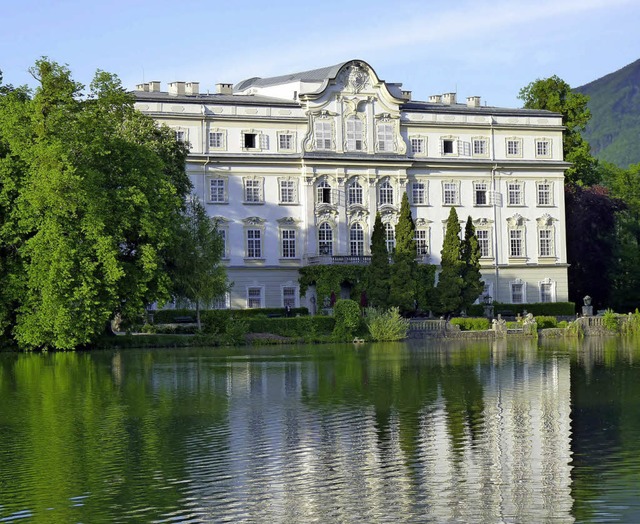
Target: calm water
(419, 432)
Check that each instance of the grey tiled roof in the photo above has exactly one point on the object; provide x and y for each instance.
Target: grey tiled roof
(430, 107)
(213, 98)
(314, 75)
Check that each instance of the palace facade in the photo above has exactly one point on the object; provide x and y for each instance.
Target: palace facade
(293, 169)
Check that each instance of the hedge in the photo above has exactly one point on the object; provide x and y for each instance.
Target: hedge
(556, 309)
(471, 323)
(301, 327)
(168, 316)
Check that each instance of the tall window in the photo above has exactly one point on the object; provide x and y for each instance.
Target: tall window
(546, 292)
(386, 193)
(422, 244)
(418, 146)
(216, 140)
(223, 236)
(323, 132)
(285, 141)
(543, 148)
(254, 243)
(385, 137)
(544, 194)
(450, 193)
(390, 237)
(518, 292)
(289, 296)
(254, 297)
(253, 190)
(181, 136)
(514, 147)
(323, 193)
(514, 194)
(217, 190)
(484, 242)
(479, 147)
(356, 240)
(354, 193)
(325, 239)
(515, 243)
(288, 191)
(480, 193)
(288, 238)
(355, 134)
(545, 242)
(418, 193)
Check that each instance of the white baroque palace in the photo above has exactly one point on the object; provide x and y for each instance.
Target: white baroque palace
(293, 169)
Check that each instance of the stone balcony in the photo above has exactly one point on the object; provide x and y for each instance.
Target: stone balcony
(316, 260)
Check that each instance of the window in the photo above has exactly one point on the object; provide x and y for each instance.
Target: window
(418, 193)
(285, 141)
(514, 147)
(543, 148)
(418, 146)
(484, 242)
(249, 140)
(450, 193)
(325, 239)
(385, 137)
(514, 194)
(222, 302)
(354, 193)
(223, 235)
(355, 134)
(181, 136)
(480, 194)
(518, 292)
(515, 243)
(323, 132)
(390, 236)
(356, 240)
(479, 147)
(254, 243)
(323, 195)
(544, 194)
(253, 190)
(545, 242)
(289, 294)
(216, 140)
(448, 146)
(254, 297)
(288, 192)
(422, 243)
(217, 190)
(385, 193)
(547, 292)
(288, 237)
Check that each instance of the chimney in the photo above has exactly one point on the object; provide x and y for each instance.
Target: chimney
(406, 95)
(473, 101)
(192, 88)
(154, 86)
(449, 98)
(435, 99)
(176, 88)
(224, 89)
(142, 87)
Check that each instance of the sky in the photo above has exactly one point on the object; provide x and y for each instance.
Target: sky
(486, 48)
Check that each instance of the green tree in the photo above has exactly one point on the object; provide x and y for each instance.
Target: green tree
(90, 190)
(450, 281)
(377, 273)
(554, 94)
(473, 285)
(405, 265)
(198, 275)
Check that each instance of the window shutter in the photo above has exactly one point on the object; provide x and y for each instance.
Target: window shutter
(264, 141)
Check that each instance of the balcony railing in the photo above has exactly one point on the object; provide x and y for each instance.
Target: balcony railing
(338, 259)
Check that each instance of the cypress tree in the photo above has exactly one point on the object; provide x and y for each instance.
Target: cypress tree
(405, 266)
(377, 274)
(450, 282)
(472, 279)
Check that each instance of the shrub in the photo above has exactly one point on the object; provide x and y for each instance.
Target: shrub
(387, 325)
(235, 331)
(471, 323)
(562, 324)
(610, 320)
(168, 316)
(558, 309)
(545, 322)
(632, 324)
(300, 327)
(348, 319)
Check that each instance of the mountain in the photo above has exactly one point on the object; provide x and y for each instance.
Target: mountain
(614, 129)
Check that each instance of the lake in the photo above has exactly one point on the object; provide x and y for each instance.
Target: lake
(423, 431)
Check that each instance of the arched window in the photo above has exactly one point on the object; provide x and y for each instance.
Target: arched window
(390, 236)
(385, 193)
(356, 240)
(354, 193)
(323, 193)
(325, 239)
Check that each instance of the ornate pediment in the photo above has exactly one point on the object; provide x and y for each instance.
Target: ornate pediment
(327, 214)
(254, 221)
(422, 222)
(516, 220)
(545, 220)
(288, 221)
